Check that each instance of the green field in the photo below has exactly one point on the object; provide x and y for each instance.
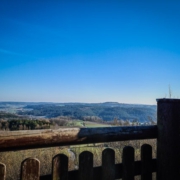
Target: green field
(80, 123)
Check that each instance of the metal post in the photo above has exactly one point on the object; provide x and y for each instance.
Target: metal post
(168, 141)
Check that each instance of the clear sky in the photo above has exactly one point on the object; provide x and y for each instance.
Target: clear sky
(89, 51)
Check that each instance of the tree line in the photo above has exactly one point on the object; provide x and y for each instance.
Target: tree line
(23, 124)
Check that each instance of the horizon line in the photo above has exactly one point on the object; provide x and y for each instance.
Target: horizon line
(73, 102)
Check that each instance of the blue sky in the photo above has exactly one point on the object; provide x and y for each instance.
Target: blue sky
(89, 51)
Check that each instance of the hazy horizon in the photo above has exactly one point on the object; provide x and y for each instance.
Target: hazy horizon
(71, 102)
(92, 51)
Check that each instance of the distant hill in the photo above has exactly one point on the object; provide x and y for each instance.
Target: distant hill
(107, 111)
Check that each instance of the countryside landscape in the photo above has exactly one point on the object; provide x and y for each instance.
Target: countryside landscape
(89, 90)
(21, 116)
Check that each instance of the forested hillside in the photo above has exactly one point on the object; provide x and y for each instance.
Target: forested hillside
(104, 111)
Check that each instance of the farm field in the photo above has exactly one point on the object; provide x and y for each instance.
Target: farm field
(88, 124)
